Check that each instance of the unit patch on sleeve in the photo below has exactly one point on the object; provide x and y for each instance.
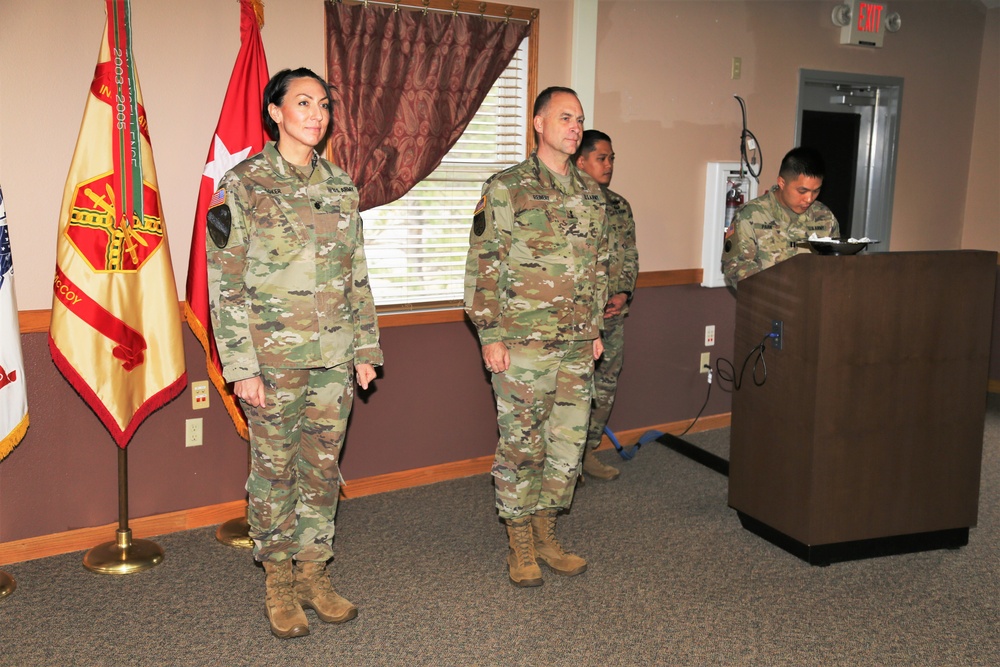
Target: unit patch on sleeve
(479, 217)
(220, 220)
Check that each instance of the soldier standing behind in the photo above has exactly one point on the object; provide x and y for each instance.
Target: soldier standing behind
(596, 157)
(535, 288)
(768, 230)
(294, 322)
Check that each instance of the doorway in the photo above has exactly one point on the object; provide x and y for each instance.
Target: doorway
(853, 120)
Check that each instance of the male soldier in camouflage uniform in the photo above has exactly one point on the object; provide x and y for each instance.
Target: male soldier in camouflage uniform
(294, 322)
(768, 229)
(535, 287)
(596, 157)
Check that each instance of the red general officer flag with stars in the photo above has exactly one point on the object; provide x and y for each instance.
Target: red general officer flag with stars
(116, 332)
(239, 134)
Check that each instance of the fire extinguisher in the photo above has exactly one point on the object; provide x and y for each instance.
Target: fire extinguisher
(734, 199)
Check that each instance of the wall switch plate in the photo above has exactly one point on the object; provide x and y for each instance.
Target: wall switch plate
(710, 335)
(193, 432)
(199, 395)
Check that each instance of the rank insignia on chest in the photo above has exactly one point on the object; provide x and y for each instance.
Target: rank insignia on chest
(479, 217)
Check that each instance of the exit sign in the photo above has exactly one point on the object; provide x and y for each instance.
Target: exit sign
(866, 25)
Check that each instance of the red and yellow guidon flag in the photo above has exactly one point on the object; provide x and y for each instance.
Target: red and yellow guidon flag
(115, 332)
(239, 134)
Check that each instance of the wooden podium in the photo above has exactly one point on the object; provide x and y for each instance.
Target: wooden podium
(866, 437)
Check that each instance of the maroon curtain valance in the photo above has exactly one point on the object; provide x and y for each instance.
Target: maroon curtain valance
(407, 83)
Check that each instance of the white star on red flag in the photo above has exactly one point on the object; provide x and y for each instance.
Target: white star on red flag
(222, 161)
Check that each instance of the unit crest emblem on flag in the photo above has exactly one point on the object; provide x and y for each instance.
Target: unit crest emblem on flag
(107, 238)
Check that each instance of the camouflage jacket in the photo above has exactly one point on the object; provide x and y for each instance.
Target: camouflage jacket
(623, 267)
(290, 288)
(538, 257)
(764, 233)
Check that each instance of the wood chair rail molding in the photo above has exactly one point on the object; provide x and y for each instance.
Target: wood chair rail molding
(37, 321)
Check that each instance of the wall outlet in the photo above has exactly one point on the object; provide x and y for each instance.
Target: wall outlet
(737, 69)
(705, 363)
(199, 395)
(777, 334)
(710, 335)
(192, 432)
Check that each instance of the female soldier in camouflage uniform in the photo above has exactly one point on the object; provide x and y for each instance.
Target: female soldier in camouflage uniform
(294, 320)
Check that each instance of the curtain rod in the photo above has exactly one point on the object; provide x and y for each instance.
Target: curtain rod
(455, 8)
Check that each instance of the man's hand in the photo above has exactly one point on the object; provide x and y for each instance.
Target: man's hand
(598, 348)
(250, 390)
(615, 305)
(496, 357)
(365, 373)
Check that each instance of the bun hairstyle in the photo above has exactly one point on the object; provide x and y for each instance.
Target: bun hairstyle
(274, 93)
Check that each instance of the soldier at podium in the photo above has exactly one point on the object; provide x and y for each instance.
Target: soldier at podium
(768, 229)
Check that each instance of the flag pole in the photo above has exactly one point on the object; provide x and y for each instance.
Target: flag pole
(240, 133)
(7, 584)
(124, 555)
(236, 532)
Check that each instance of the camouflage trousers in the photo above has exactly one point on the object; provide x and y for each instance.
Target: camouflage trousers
(295, 443)
(543, 404)
(606, 373)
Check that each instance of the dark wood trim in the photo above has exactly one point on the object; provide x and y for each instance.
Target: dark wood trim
(37, 321)
(490, 10)
(669, 278)
(34, 321)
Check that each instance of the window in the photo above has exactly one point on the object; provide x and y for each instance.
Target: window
(417, 245)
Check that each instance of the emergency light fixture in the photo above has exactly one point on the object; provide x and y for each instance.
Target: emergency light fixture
(864, 23)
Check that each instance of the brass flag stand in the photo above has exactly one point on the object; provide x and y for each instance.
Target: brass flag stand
(236, 532)
(7, 584)
(124, 555)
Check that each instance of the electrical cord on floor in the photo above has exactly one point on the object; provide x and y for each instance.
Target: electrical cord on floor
(750, 152)
(708, 394)
(628, 453)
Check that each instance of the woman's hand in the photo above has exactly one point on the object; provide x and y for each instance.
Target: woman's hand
(496, 357)
(250, 390)
(365, 373)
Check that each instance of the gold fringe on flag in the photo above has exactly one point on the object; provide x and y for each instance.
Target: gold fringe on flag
(258, 10)
(228, 399)
(12, 439)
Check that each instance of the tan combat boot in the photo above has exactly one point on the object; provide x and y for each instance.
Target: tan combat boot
(548, 549)
(592, 466)
(314, 591)
(521, 564)
(282, 610)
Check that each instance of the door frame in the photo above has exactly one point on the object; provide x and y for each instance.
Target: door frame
(879, 146)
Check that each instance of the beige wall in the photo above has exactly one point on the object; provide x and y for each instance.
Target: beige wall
(663, 93)
(665, 96)
(982, 205)
(184, 49)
